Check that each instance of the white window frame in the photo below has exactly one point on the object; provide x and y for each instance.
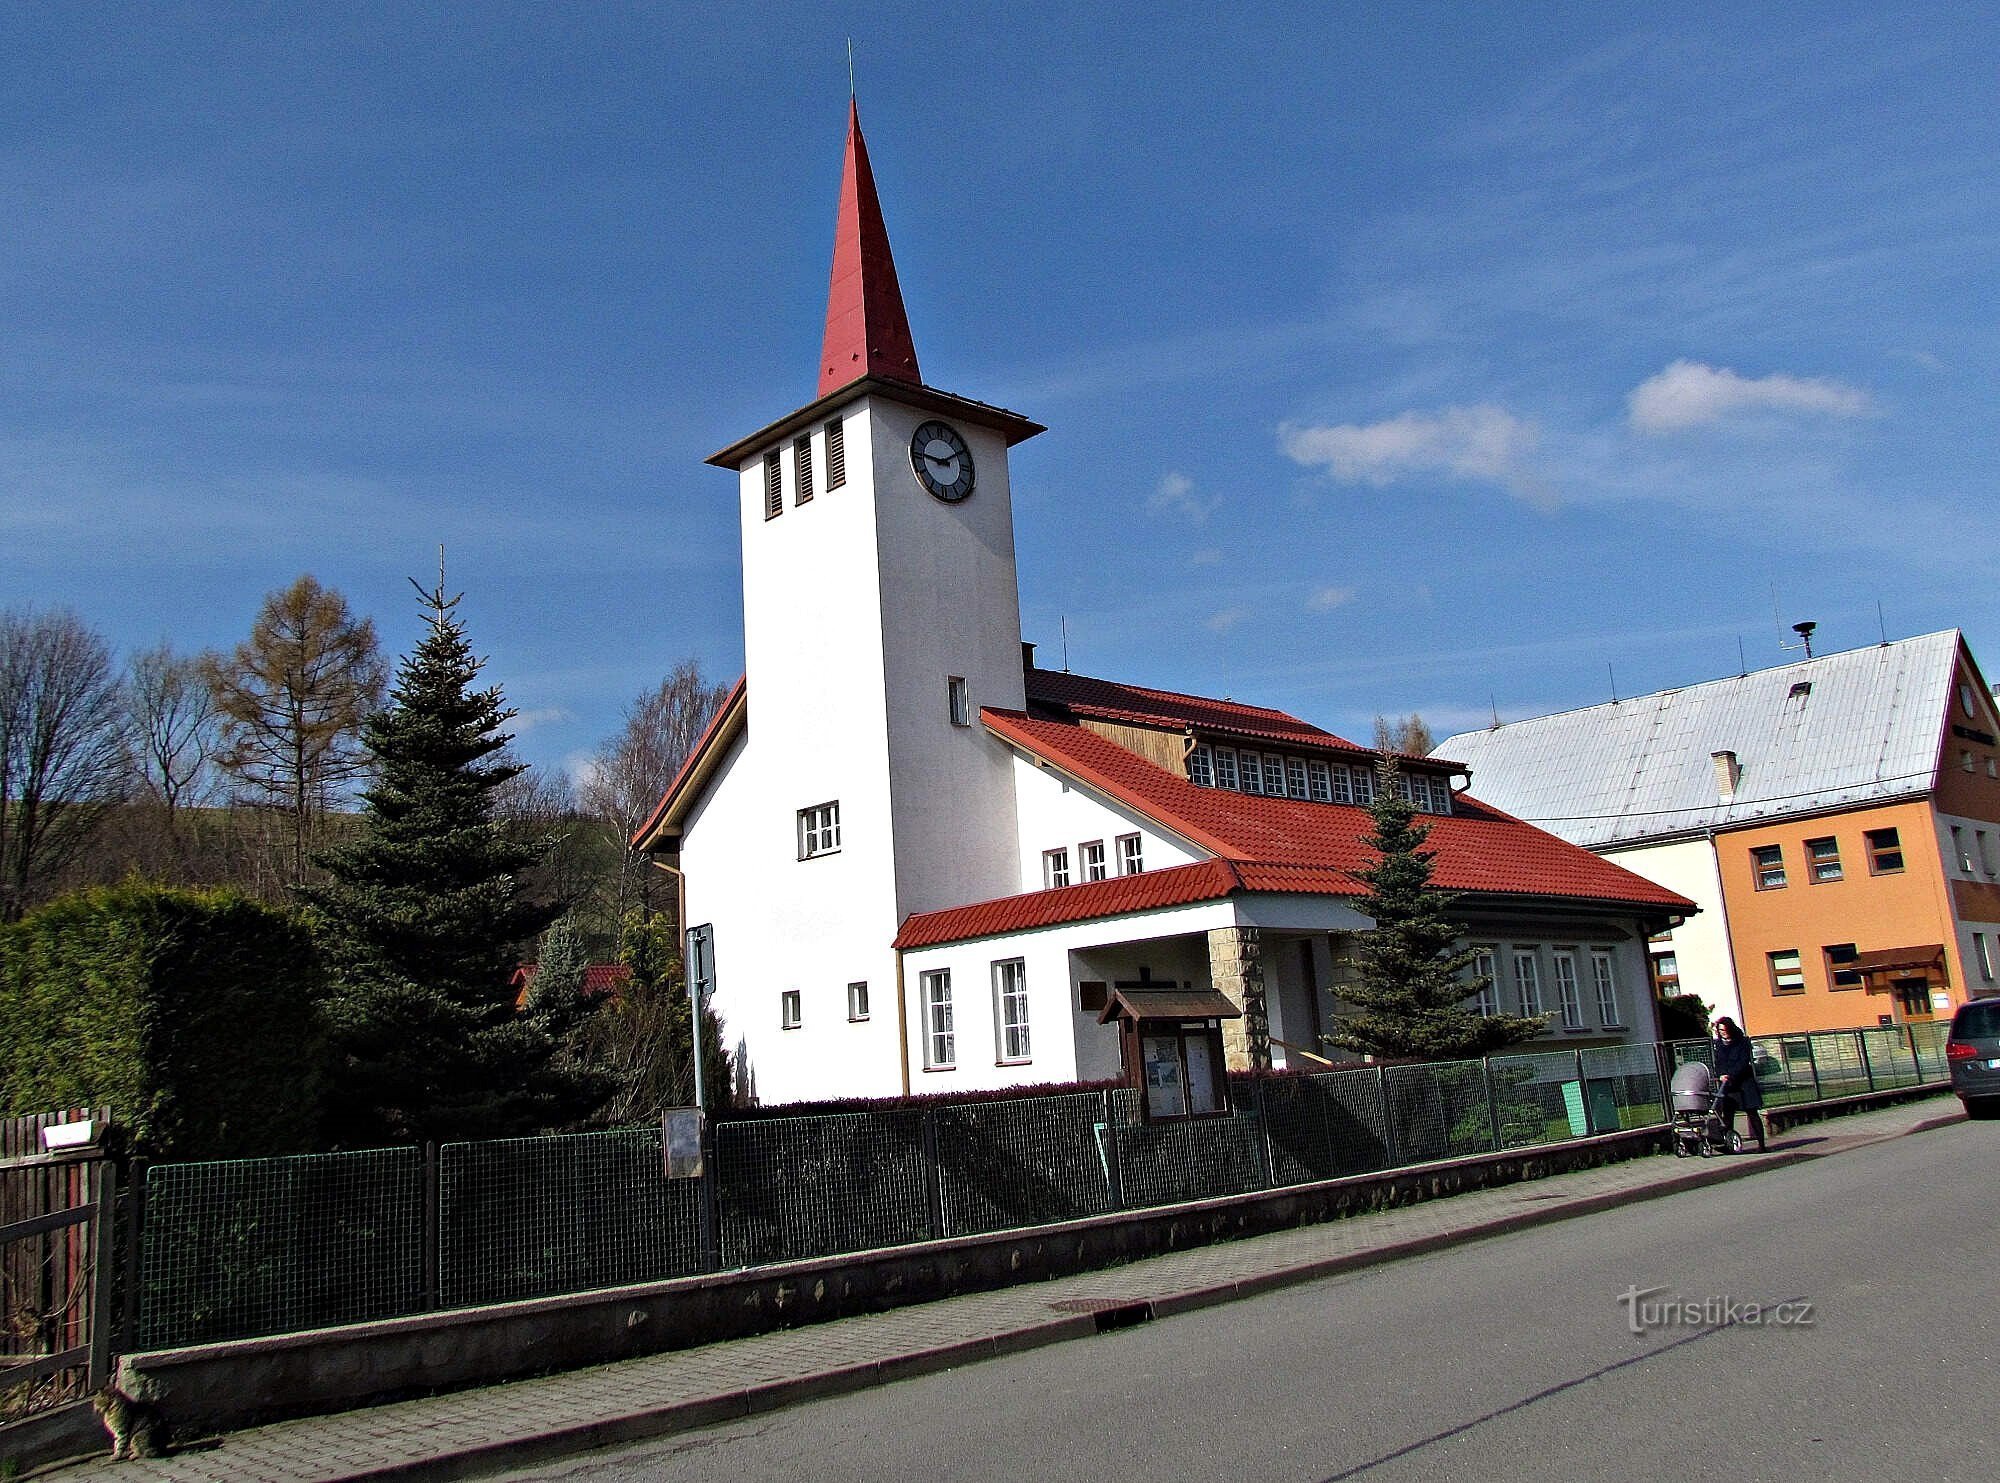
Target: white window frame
(1226, 775)
(1274, 775)
(1569, 992)
(1322, 781)
(1090, 860)
(1604, 975)
(1486, 1003)
(958, 702)
(1250, 772)
(857, 1001)
(1786, 981)
(940, 1040)
(1959, 850)
(819, 830)
(1364, 784)
(1055, 868)
(1201, 765)
(1296, 785)
(791, 1014)
(1011, 1043)
(1131, 854)
(1343, 782)
(1527, 982)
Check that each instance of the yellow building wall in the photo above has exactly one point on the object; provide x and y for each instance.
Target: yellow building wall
(1904, 909)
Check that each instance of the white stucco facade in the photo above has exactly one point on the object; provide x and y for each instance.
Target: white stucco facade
(1700, 945)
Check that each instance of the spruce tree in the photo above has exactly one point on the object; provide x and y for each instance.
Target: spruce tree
(1412, 997)
(422, 917)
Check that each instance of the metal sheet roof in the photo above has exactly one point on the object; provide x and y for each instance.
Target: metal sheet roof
(1840, 730)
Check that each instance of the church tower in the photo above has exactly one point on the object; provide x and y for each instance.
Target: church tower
(881, 611)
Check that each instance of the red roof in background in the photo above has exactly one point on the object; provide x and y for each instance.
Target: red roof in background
(867, 329)
(1270, 844)
(1135, 705)
(598, 978)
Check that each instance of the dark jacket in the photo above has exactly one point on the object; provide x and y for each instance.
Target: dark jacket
(1733, 1063)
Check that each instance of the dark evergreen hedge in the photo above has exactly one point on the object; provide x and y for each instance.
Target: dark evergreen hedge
(194, 1014)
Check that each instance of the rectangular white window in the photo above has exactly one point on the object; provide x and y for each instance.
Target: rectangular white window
(1985, 955)
(1527, 984)
(1343, 785)
(1010, 1009)
(1091, 856)
(1201, 766)
(1225, 768)
(1567, 997)
(774, 487)
(1295, 778)
(1787, 975)
(802, 469)
(1364, 785)
(857, 1001)
(1274, 775)
(1608, 1012)
(788, 1009)
(1252, 767)
(1131, 854)
(819, 830)
(1823, 860)
(1958, 849)
(940, 1044)
(1055, 867)
(1322, 783)
(957, 702)
(1486, 1001)
(836, 455)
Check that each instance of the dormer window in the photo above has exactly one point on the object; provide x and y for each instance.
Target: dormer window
(1307, 779)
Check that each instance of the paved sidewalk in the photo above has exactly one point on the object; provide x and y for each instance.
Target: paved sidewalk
(514, 1425)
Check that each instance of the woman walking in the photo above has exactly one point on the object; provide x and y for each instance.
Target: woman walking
(1734, 1057)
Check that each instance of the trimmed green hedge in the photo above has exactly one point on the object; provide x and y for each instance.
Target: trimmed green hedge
(196, 1015)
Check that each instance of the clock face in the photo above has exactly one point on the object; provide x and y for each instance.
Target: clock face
(942, 461)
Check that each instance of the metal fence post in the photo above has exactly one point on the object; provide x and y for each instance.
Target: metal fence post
(1583, 1091)
(1867, 1061)
(1812, 1060)
(135, 1216)
(1388, 1118)
(1664, 1068)
(1492, 1101)
(708, 1225)
(433, 1225)
(933, 1183)
(104, 1247)
(1114, 1173)
(1916, 1061)
(1264, 1134)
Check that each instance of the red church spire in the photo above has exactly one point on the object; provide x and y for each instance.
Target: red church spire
(867, 330)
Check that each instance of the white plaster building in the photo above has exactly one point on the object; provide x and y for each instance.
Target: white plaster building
(924, 864)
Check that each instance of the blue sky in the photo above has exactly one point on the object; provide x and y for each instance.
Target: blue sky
(1394, 357)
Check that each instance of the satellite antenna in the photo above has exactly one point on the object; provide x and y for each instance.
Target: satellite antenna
(1805, 633)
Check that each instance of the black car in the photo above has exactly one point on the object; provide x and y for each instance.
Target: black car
(1974, 1054)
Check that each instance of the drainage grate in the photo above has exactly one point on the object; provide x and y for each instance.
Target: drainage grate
(1110, 1313)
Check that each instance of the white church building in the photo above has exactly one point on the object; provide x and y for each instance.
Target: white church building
(919, 863)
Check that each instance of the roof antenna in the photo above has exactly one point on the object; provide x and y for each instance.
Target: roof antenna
(1881, 623)
(1493, 702)
(850, 69)
(1742, 664)
(1614, 681)
(1805, 633)
(1065, 641)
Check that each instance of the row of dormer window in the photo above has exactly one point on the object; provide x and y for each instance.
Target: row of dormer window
(1279, 775)
(802, 469)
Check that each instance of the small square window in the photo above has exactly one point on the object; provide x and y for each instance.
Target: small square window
(1885, 851)
(1274, 775)
(788, 1009)
(957, 701)
(1091, 856)
(1055, 868)
(1295, 778)
(857, 1001)
(819, 830)
(1666, 975)
(1767, 863)
(1840, 970)
(1131, 854)
(1787, 976)
(1225, 769)
(1201, 766)
(1343, 785)
(1322, 783)
(1252, 768)
(1823, 860)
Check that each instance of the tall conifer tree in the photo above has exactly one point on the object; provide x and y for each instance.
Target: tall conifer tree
(423, 919)
(1412, 995)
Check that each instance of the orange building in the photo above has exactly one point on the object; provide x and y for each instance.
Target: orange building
(1837, 820)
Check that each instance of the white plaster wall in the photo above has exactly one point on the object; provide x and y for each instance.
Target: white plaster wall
(1066, 1044)
(1701, 943)
(1056, 814)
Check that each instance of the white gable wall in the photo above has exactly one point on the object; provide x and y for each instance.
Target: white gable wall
(1058, 814)
(1701, 943)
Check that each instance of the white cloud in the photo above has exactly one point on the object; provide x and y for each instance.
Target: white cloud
(1483, 443)
(1326, 599)
(1225, 620)
(1689, 394)
(1176, 496)
(1208, 556)
(526, 721)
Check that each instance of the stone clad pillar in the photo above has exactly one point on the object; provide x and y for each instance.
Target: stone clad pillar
(1236, 967)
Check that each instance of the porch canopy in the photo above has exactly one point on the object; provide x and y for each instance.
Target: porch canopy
(1168, 1002)
(1881, 966)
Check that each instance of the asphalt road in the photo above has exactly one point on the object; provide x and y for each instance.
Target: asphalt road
(1508, 1358)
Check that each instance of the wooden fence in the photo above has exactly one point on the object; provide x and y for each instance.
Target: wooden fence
(57, 1263)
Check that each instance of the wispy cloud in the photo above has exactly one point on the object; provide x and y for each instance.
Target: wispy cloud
(1690, 394)
(1176, 495)
(1225, 620)
(1208, 556)
(1480, 444)
(528, 720)
(1326, 599)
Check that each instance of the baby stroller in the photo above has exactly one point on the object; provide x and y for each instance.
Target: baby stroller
(1699, 1116)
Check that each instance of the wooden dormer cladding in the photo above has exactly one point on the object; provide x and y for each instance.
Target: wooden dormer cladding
(1164, 749)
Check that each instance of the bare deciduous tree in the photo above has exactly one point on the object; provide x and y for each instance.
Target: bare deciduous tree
(632, 770)
(174, 733)
(62, 747)
(1406, 734)
(292, 699)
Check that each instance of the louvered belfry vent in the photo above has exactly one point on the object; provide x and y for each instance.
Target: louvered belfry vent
(802, 458)
(836, 454)
(774, 490)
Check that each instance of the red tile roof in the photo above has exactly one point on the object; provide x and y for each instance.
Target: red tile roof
(867, 330)
(1136, 705)
(598, 978)
(1271, 844)
(721, 726)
